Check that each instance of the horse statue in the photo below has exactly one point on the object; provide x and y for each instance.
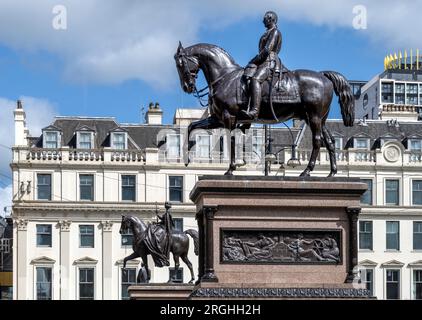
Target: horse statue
(153, 239)
(227, 98)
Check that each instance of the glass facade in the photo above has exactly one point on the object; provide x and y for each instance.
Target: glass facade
(411, 94)
(400, 93)
(387, 92)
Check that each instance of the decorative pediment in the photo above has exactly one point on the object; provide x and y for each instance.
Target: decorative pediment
(118, 129)
(85, 128)
(368, 263)
(130, 263)
(416, 264)
(392, 263)
(43, 260)
(337, 134)
(85, 261)
(415, 136)
(51, 128)
(362, 135)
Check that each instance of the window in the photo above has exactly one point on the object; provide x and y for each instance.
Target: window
(84, 140)
(44, 235)
(400, 90)
(128, 188)
(367, 276)
(86, 235)
(338, 143)
(393, 235)
(118, 141)
(51, 139)
(365, 235)
(203, 145)
(362, 143)
(387, 92)
(417, 284)
(44, 186)
(257, 147)
(173, 147)
(86, 283)
(417, 235)
(393, 284)
(44, 287)
(392, 192)
(417, 192)
(412, 94)
(367, 196)
(178, 224)
(176, 189)
(176, 275)
(128, 279)
(127, 238)
(415, 145)
(86, 187)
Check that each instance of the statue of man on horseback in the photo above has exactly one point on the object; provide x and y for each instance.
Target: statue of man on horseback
(265, 65)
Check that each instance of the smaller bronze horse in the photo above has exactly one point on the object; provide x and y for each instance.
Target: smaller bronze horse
(146, 242)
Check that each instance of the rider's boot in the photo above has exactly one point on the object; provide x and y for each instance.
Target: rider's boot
(255, 101)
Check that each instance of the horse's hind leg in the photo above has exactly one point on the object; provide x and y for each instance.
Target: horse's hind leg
(176, 266)
(315, 124)
(330, 144)
(189, 264)
(232, 165)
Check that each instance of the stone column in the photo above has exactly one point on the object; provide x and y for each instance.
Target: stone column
(200, 220)
(208, 216)
(353, 214)
(107, 260)
(65, 263)
(23, 292)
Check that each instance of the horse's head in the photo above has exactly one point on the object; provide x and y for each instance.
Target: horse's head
(125, 225)
(188, 68)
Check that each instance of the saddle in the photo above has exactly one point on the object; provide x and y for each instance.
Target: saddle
(285, 89)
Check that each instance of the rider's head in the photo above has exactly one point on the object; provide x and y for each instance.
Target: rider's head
(270, 18)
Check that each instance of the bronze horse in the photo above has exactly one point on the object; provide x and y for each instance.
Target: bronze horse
(223, 76)
(178, 244)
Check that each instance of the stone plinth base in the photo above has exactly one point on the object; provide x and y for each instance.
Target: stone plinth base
(160, 291)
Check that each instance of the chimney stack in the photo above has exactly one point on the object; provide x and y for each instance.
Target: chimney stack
(20, 125)
(154, 115)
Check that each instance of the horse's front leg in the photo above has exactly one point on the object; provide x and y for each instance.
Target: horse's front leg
(144, 258)
(232, 165)
(134, 255)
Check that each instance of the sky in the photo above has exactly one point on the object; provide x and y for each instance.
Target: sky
(111, 58)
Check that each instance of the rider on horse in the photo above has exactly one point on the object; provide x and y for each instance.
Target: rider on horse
(264, 64)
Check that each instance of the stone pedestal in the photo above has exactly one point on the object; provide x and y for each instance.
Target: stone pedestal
(272, 237)
(163, 291)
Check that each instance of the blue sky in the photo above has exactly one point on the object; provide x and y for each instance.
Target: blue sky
(115, 57)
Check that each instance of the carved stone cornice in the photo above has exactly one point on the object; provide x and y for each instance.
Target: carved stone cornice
(64, 225)
(107, 225)
(22, 224)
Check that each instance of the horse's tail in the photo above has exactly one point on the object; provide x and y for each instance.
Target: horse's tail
(346, 98)
(194, 234)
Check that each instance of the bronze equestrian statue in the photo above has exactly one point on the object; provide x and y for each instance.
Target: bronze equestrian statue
(300, 94)
(158, 240)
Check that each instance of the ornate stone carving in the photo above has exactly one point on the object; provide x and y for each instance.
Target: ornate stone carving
(281, 293)
(22, 224)
(64, 225)
(392, 153)
(280, 246)
(107, 225)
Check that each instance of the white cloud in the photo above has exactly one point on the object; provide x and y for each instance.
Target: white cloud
(39, 113)
(117, 40)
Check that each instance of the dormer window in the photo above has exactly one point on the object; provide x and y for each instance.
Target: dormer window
(118, 140)
(173, 146)
(85, 140)
(361, 143)
(415, 145)
(203, 144)
(51, 139)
